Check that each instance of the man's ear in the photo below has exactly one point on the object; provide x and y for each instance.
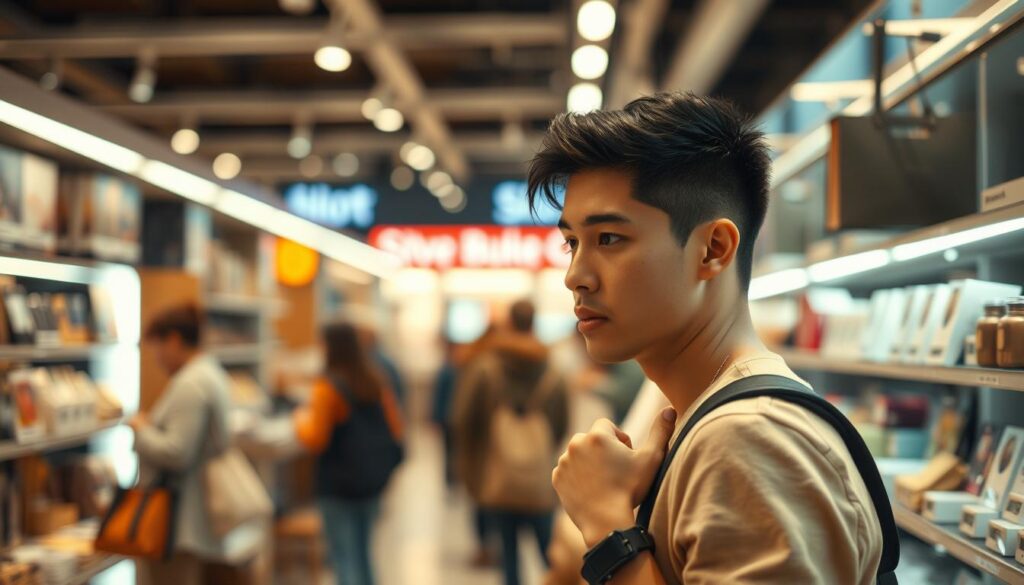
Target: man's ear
(721, 241)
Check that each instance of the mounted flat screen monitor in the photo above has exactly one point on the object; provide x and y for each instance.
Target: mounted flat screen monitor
(894, 177)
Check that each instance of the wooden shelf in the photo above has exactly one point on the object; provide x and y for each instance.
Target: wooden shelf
(956, 376)
(13, 450)
(969, 551)
(35, 353)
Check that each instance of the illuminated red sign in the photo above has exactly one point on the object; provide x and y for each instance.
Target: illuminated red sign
(443, 247)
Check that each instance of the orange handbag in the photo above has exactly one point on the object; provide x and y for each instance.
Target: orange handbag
(140, 523)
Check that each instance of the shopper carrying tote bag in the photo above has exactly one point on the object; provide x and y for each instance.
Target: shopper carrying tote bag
(184, 430)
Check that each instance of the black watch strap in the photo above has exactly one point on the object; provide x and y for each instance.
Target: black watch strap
(609, 555)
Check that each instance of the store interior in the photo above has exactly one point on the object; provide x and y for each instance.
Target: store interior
(285, 164)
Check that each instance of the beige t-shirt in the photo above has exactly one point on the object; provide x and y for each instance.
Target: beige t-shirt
(763, 491)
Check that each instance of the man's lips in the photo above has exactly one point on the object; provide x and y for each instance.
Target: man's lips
(589, 319)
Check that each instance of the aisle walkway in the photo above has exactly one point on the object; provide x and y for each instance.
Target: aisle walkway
(426, 536)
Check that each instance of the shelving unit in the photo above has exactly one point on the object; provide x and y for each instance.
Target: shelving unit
(234, 304)
(970, 552)
(35, 353)
(954, 376)
(13, 450)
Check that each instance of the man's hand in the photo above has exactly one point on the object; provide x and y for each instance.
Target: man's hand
(138, 421)
(600, 478)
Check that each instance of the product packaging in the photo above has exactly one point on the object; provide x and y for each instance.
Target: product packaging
(963, 309)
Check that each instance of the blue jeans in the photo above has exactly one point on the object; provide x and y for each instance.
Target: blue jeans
(348, 526)
(509, 524)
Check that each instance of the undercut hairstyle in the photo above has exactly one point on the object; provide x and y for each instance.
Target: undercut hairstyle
(185, 320)
(695, 158)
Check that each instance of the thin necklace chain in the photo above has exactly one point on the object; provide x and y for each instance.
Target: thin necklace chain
(719, 372)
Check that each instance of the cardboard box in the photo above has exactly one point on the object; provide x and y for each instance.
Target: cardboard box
(915, 303)
(883, 327)
(931, 319)
(974, 520)
(1003, 195)
(963, 309)
(946, 507)
(1005, 468)
(1003, 537)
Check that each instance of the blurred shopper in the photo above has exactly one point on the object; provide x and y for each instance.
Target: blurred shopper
(185, 429)
(510, 414)
(353, 423)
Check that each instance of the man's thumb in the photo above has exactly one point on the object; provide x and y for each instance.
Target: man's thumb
(661, 431)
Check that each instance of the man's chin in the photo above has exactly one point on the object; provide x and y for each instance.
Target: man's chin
(608, 353)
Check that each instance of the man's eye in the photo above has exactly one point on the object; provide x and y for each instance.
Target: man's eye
(608, 239)
(569, 246)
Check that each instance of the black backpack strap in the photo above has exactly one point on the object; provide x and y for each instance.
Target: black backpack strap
(794, 392)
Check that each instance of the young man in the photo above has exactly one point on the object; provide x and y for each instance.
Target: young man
(663, 203)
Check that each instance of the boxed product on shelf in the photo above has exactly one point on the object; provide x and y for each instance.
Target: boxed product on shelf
(58, 401)
(1020, 547)
(28, 200)
(89, 482)
(946, 507)
(47, 331)
(883, 324)
(843, 332)
(981, 462)
(916, 300)
(21, 327)
(931, 319)
(1003, 195)
(100, 217)
(975, 518)
(944, 472)
(815, 305)
(962, 311)
(21, 401)
(103, 321)
(72, 313)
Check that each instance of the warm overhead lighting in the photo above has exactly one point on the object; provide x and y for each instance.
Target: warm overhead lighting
(332, 58)
(938, 244)
(227, 166)
(420, 158)
(311, 167)
(584, 97)
(371, 107)
(589, 62)
(848, 265)
(830, 91)
(297, 7)
(596, 20)
(454, 200)
(73, 139)
(777, 283)
(345, 164)
(179, 182)
(402, 178)
(185, 141)
(388, 120)
(435, 180)
(300, 145)
(52, 79)
(144, 81)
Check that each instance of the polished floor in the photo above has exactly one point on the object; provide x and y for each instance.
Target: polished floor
(425, 535)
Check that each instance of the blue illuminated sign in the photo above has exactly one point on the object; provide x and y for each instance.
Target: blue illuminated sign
(512, 208)
(336, 207)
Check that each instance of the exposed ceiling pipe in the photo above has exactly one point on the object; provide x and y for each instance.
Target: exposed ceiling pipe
(710, 43)
(630, 75)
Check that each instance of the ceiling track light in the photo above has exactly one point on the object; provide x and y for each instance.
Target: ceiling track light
(595, 20)
(186, 139)
(144, 81)
(300, 145)
(54, 77)
(332, 55)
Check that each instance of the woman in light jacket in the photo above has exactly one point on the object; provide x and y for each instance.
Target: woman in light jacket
(185, 428)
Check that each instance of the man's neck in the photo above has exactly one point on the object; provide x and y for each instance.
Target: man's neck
(186, 360)
(690, 363)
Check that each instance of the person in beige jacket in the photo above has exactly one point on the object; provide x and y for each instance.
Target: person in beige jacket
(663, 201)
(184, 430)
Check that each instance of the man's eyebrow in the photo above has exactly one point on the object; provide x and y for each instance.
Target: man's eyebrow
(596, 219)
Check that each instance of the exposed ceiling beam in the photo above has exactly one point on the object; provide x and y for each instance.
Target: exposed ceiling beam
(477, 145)
(391, 67)
(282, 37)
(710, 43)
(631, 75)
(338, 106)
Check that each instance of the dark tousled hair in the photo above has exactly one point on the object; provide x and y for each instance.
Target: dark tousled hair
(185, 320)
(695, 158)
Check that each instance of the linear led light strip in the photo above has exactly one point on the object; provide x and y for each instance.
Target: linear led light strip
(195, 188)
(791, 280)
(814, 144)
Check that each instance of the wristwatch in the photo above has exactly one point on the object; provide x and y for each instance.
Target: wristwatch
(617, 549)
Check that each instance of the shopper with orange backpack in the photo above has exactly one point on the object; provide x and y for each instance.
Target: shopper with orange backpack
(354, 425)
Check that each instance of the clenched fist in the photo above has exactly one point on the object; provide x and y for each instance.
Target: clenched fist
(601, 478)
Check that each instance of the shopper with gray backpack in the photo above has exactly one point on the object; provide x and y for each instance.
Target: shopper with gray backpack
(511, 413)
